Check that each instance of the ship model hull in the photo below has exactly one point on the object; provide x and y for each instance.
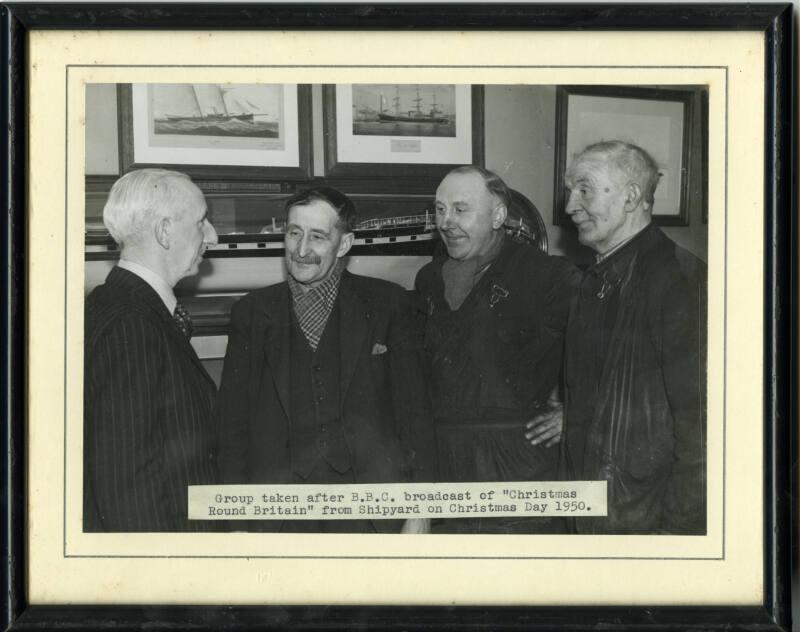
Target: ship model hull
(389, 236)
(394, 236)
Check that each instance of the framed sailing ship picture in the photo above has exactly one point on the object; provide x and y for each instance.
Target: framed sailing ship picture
(232, 131)
(401, 131)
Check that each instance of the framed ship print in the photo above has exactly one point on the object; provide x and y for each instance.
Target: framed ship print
(215, 130)
(385, 101)
(401, 131)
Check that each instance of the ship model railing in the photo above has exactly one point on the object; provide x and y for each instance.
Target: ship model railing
(401, 221)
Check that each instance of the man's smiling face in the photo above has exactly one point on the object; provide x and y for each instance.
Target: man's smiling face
(314, 242)
(596, 203)
(466, 215)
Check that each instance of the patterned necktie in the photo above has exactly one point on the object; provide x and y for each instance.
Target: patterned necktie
(183, 320)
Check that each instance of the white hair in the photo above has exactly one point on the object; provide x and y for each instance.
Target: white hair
(142, 196)
(630, 162)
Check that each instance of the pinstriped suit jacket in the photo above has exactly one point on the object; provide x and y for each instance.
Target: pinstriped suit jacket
(148, 424)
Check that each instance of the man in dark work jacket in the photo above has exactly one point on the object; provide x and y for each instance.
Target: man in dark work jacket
(635, 361)
(148, 402)
(322, 378)
(495, 313)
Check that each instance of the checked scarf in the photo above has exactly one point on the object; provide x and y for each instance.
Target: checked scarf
(313, 307)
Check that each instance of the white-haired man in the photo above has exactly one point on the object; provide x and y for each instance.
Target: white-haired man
(148, 402)
(634, 370)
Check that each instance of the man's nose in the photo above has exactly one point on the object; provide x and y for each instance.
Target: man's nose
(303, 248)
(210, 238)
(572, 205)
(446, 219)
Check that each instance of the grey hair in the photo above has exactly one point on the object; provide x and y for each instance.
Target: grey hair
(632, 162)
(139, 197)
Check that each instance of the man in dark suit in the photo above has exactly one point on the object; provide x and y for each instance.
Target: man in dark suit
(148, 402)
(322, 379)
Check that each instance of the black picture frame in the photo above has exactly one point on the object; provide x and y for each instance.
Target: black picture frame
(224, 177)
(387, 176)
(692, 166)
(780, 300)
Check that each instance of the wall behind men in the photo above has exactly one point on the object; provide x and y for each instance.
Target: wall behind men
(519, 139)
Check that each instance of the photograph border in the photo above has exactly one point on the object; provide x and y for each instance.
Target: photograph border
(780, 402)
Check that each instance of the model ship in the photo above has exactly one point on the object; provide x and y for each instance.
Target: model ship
(415, 115)
(392, 236)
(397, 235)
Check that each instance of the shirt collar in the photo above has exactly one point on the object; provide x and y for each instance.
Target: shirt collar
(161, 287)
(599, 258)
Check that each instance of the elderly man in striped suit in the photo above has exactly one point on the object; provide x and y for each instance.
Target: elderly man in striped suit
(148, 423)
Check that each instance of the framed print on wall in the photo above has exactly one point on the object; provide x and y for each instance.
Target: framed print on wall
(212, 130)
(401, 130)
(662, 120)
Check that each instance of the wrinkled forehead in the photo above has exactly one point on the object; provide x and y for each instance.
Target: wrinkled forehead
(463, 187)
(315, 213)
(590, 167)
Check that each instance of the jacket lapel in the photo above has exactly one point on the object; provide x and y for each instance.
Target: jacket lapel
(141, 292)
(355, 322)
(623, 323)
(275, 315)
(149, 297)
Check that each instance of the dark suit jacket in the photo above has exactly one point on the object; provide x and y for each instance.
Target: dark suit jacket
(645, 428)
(148, 412)
(384, 406)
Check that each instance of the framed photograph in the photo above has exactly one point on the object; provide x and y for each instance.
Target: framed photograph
(386, 100)
(661, 119)
(217, 131)
(405, 131)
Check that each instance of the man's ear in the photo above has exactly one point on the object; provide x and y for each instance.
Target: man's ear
(499, 215)
(161, 230)
(633, 197)
(345, 244)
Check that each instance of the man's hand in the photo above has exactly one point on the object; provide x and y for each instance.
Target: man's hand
(416, 525)
(546, 428)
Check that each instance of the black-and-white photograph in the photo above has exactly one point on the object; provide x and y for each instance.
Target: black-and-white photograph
(537, 314)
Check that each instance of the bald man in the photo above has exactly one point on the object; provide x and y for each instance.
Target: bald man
(495, 312)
